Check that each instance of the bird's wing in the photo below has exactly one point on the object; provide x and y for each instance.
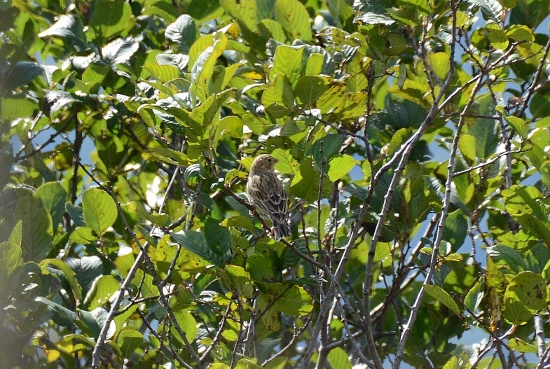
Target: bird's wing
(269, 190)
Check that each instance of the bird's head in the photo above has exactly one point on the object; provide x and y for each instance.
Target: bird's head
(264, 162)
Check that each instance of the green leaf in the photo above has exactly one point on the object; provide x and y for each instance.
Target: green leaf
(219, 366)
(475, 295)
(485, 132)
(246, 363)
(83, 236)
(340, 166)
(278, 97)
(68, 274)
(545, 173)
(217, 237)
(309, 88)
(92, 321)
(539, 104)
(325, 148)
(294, 18)
(288, 61)
(131, 341)
(187, 323)
(240, 221)
(86, 269)
(305, 183)
(442, 296)
(519, 32)
(100, 210)
(12, 109)
(334, 99)
(165, 155)
(76, 214)
(530, 13)
(338, 358)
(452, 363)
(110, 18)
(37, 228)
(294, 302)
(519, 125)
(196, 243)
(373, 18)
(203, 68)
(228, 127)
(507, 257)
(440, 64)
(70, 29)
(61, 315)
(525, 295)
(522, 202)
(164, 73)
(57, 100)
(21, 74)
(184, 32)
(496, 36)
(119, 51)
(101, 291)
(236, 277)
(491, 8)
(245, 11)
(456, 229)
(11, 257)
(53, 197)
(517, 344)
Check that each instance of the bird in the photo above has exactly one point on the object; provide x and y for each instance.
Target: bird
(266, 193)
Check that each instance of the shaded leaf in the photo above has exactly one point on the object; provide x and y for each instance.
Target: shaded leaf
(37, 228)
(183, 31)
(86, 269)
(196, 242)
(20, 74)
(110, 18)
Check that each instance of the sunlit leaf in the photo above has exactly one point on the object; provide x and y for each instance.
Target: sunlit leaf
(101, 291)
(183, 31)
(524, 296)
(340, 166)
(100, 211)
(294, 18)
(440, 64)
(288, 61)
(475, 296)
(338, 358)
(187, 323)
(67, 273)
(443, 296)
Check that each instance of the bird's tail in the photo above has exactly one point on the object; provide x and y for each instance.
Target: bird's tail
(281, 228)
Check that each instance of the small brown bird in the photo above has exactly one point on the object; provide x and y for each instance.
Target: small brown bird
(265, 191)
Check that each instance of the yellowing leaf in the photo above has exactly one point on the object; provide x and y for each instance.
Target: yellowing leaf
(440, 64)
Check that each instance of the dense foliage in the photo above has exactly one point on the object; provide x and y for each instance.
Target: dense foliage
(412, 136)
